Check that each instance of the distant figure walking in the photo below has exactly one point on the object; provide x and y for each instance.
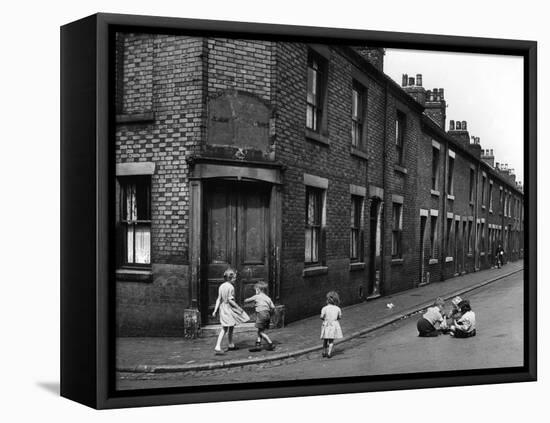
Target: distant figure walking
(264, 307)
(500, 256)
(331, 330)
(231, 313)
(466, 325)
(428, 324)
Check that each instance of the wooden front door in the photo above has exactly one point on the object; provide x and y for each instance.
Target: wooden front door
(236, 235)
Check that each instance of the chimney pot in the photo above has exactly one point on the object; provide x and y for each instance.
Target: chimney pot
(411, 80)
(419, 79)
(441, 93)
(458, 125)
(452, 125)
(491, 151)
(463, 125)
(404, 80)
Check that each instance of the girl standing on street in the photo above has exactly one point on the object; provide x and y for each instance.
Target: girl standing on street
(231, 313)
(331, 330)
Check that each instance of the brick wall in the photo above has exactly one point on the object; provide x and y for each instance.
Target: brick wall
(162, 76)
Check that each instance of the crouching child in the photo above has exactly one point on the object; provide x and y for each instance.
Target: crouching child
(264, 307)
(428, 324)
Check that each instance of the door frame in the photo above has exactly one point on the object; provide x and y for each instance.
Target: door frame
(206, 169)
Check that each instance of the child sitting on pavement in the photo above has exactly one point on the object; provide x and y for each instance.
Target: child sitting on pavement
(428, 324)
(465, 326)
(264, 307)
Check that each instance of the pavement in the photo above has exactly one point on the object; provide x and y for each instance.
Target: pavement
(163, 355)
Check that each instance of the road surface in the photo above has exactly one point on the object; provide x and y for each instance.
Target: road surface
(393, 349)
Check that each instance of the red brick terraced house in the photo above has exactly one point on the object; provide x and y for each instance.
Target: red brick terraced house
(302, 165)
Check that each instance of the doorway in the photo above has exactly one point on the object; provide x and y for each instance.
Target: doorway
(423, 220)
(375, 248)
(236, 234)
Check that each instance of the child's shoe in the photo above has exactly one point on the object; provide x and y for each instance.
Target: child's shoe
(270, 347)
(256, 348)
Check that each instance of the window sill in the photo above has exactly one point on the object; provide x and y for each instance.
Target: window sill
(359, 153)
(448, 259)
(450, 197)
(314, 271)
(396, 261)
(315, 136)
(482, 253)
(146, 117)
(134, 275)
(491, 211)
(482, 207)
(433, 261)
(400, 169)
(435, 192)
(471, 203)
(356, 266)
(469, 255)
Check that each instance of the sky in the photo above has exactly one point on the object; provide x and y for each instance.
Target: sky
(484, 90)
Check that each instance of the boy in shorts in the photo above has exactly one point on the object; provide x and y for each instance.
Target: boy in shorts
(264, 307)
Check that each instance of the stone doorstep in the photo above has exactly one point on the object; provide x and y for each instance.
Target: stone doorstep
(213, 330)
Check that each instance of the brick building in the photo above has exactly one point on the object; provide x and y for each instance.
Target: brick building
(303, 165)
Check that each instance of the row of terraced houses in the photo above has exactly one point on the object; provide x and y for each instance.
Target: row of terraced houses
(302, 165)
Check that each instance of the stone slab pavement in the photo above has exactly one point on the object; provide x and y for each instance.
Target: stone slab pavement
(157, 355)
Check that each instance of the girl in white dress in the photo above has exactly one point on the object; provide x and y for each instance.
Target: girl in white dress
(231, 313)
(331, 330)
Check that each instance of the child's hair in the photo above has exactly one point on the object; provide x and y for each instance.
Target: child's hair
(229, 274)
(261, 286)
(464, 306)
(333, 298)
(439, 302)
(456, 301)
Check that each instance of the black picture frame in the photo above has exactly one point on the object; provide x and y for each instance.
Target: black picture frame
(87, 332)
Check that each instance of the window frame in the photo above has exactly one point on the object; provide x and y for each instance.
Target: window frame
(319, 66)
(450, 175)
(125, 223)
(397, 232)
(356, 227)
(433, 237)
(358, 120)
(400, 128)
(436, 157)
(315, 227)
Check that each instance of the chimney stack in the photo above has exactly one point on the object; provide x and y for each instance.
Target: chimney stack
(452, 125)
(436, 108)
(488, 157)
(374, 55)
(415, 90)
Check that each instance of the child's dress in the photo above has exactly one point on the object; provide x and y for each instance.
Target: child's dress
(229, 316)
(331, 326)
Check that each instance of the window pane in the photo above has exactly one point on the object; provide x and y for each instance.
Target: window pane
(315, 245)
(354, 104)
(310, 117)
(130, 243)
(143, 244)
(308, 245)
